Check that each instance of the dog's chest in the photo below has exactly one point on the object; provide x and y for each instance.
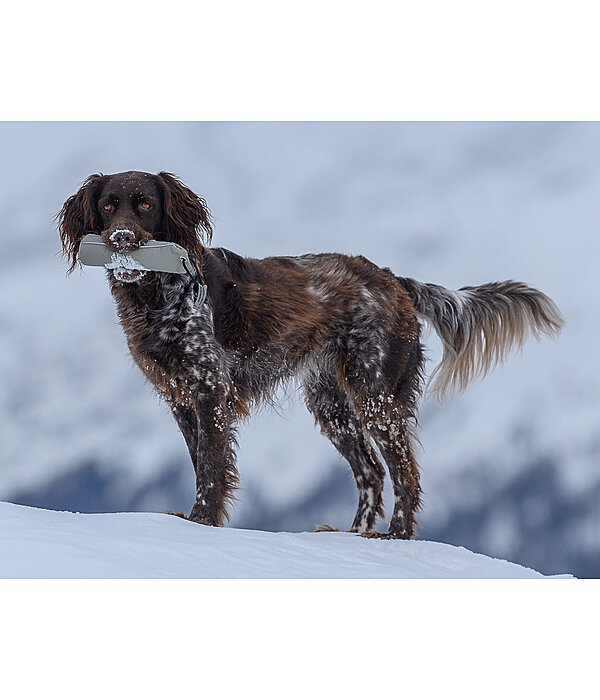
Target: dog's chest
(173, 343)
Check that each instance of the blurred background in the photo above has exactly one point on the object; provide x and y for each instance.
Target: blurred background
(511, 468)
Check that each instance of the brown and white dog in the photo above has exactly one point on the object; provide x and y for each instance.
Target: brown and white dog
(347, 329)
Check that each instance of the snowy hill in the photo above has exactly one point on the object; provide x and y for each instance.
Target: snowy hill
(35, 543)
(511, 468)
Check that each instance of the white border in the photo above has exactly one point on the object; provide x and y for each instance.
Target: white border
(320, 59)
(299, 639)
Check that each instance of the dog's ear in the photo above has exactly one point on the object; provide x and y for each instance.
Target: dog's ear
(78, 217)
(186, 218)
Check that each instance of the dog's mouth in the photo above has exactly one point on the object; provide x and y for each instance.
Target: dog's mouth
(125, 268)
(124, 275)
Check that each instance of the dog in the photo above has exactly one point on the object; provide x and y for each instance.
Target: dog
(348, 330)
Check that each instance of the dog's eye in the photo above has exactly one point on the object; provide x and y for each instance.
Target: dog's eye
(108, 207)
(144, 205)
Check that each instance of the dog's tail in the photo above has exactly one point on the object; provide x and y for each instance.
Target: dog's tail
(479, 326)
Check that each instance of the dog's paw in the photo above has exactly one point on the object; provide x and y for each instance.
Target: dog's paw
(373, 535)
(326, 528)
(179, 514)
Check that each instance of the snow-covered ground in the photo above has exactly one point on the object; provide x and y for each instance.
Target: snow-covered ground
(36, 543)
(511, 468)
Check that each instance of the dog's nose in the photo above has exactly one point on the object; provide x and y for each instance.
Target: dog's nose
(122, 238)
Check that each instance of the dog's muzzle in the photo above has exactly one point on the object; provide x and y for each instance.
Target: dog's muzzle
(121, 241)
(125, 268)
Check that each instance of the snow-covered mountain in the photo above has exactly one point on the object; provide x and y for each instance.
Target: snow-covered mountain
(37, 543)
(511, 468)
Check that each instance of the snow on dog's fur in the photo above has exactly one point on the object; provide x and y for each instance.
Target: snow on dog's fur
(347, 329)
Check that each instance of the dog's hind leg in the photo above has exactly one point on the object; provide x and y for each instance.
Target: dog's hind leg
(392, 426)
(385, 392)
(338, 421)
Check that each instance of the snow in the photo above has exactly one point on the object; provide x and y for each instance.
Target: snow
(114, 234)
(124, 261)
(124, 267)
(36, 543)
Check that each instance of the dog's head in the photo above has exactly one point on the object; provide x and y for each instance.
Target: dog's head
(128, 209)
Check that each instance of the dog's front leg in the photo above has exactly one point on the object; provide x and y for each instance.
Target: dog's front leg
(187, 420)
(216, 473)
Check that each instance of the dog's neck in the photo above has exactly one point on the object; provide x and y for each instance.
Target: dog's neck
(156, 290)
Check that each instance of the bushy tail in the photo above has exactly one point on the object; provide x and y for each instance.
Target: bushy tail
(479, 326)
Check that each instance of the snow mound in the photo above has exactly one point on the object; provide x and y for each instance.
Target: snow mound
(37, 543)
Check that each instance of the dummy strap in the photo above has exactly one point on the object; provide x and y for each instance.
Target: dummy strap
(199, 287)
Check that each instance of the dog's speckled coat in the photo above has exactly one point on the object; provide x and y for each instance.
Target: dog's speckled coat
(347, 329)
